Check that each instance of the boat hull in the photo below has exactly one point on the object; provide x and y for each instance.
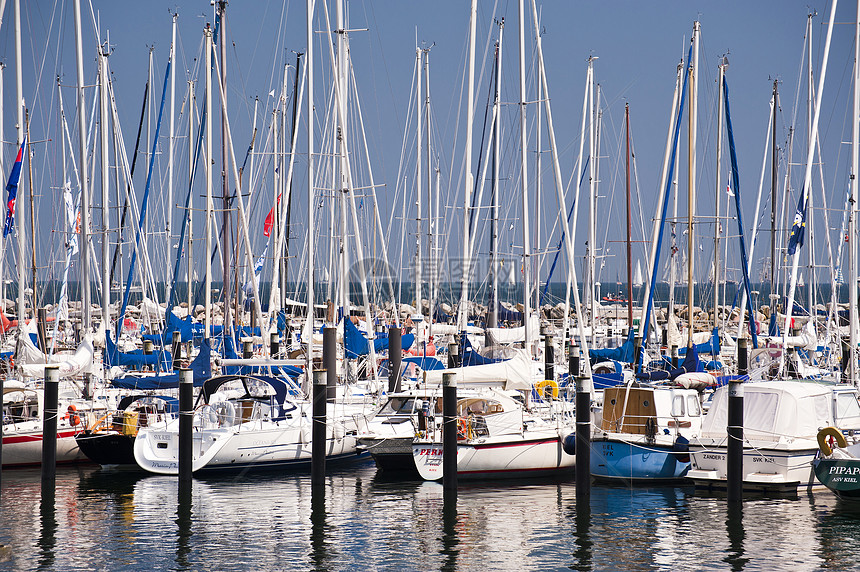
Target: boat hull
(613, 460)
(842, 476)
(765, 470)
(23, 447)
(536, 456)
(391, 454)
(107, 449)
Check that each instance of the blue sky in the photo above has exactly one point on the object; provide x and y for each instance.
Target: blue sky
(639, 45)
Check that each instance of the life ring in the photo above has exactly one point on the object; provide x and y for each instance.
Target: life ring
(463, 429)
(835, 435)
(543, 385)
(72, 413)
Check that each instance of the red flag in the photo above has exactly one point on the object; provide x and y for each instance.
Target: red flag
(270, 219)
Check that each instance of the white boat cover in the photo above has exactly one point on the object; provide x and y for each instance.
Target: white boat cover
(500, 336)
(516, 373)
(774, 409)
(70, 365)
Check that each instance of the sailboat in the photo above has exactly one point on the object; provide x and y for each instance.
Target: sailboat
(638, 279)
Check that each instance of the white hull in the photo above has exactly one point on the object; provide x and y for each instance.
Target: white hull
(22, 445)
(536, 453)
(766, 469)
(253, 444)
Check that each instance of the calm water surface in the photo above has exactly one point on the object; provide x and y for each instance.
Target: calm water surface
(114, 521)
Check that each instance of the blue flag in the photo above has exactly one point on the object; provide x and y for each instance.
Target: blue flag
(798, 227)
(12, 191)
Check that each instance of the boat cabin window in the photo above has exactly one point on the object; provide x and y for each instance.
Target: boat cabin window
(693, 407)
(847, 410)
(395, 405)
(678, 406)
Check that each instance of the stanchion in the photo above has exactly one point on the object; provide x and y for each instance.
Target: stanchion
(449, 433)
(186, 419)
(395, 358)
(318, 433)
(176, 348)
(330, 361)
(735, 429)
(49, 426)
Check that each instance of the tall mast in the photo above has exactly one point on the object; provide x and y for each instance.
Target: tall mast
(419, 175)
(430, 201)
(852, 213)
(467, 191)
(19, 104)
(171, 135)
(774, 165)
(494, 222)
(691, 179)
(524, 183)
(309, 66)
(209, 205)
(226, 227)
(3, 170)
(810, 145)
(85, 189)
(718, 192)
(189, 252)
(105, 178)
(589, 282)
(629, 224)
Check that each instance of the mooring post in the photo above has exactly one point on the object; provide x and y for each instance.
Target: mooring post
(453, 355)
(2, 421)
(395, 357)
(186, 419)
(274, 345)
(41, 326)
(735, 429)
(49, 426)
(176, 348)
(583, 434)
(674, 356)
(449, 433)
(147, 347)
(318, 433)
(330, 360)
(247, 349)
(548, 357)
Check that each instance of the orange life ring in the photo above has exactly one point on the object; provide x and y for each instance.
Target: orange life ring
(72, 413)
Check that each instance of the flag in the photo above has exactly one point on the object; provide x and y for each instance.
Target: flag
(798, 227)
(729, 190)
(12, 191)
(270, 219)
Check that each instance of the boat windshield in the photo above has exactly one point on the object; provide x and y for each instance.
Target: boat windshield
(398, 405)
(847, 410)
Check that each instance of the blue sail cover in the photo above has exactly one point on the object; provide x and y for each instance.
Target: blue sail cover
(712, 346)
(174, 324)
(623, 353)
(356, 344)
(427, 363)
(691, 363)
(135, 358)
(472, 357)
(201, 368)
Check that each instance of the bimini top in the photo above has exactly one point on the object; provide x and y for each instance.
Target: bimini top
(774, 409)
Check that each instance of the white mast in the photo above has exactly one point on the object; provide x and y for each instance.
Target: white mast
(524, 184)
(85, 190)
(192, 142)
(589, 299)
(807, 181)
(852, 213)
(171, 137)
(19, 103)
(718, 192)
(418, 178)
(497, 128)
(309, 65)
(691, 179)
(208, 161)
(430, 201)
(105, 177)
(467, 192)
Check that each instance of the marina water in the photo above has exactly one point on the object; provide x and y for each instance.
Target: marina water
(102, 520)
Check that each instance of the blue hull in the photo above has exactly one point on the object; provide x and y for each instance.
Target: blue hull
(618, 461)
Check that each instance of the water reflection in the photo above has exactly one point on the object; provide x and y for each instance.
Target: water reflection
(364, 522)
(735, 533)
(48, 525)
